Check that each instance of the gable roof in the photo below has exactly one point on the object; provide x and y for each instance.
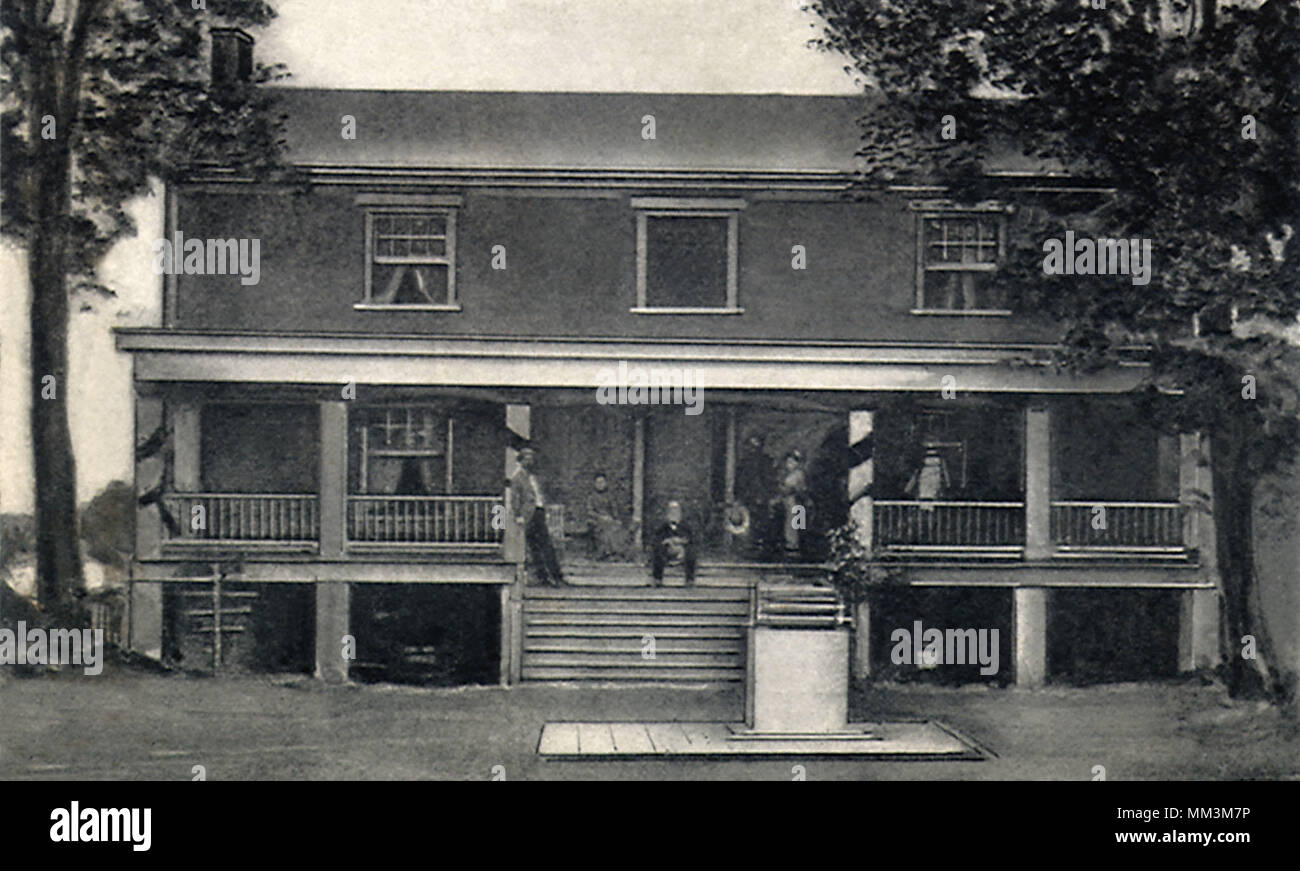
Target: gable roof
(575, 130)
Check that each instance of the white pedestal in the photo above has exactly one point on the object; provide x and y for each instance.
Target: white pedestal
(800, 680)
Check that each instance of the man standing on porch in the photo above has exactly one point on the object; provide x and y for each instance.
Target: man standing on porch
(530, 510)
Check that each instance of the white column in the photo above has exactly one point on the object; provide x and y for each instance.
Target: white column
(1029, 630)
(862, 640)
(861, 512)
(1196, 494)
(333, 602)
(507, 646)
(862, 474)
(1198, 630)
(729, 461)
(333, 491)
(1038, 483)
(638, 480)
(519, 423)
(186, 476)
(146, 618)
(149, 470)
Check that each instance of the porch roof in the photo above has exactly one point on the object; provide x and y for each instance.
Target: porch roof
(187, 355)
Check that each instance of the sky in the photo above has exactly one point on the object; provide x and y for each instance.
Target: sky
(690, 46)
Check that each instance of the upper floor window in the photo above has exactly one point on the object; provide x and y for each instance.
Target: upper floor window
(957, 258)
(410, 253)
(687, 256)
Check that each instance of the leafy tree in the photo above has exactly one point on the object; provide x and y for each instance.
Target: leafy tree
(1189, 113)
(102, 97)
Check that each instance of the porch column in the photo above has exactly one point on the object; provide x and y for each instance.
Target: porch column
(1198, 630)
(1196, 494)
(332, 510)
(150, 442)
(862, 639)
(332, 604)
(185, 448)
(519, 423)
(729, 459)
(1038, 483)
(861, 511)
(513, 549)
(507, 640)
(638, 480)
(1029, 635)
(146, 618)
(862, 474)
(1198, 624)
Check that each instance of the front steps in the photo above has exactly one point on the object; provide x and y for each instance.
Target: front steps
(619, 632)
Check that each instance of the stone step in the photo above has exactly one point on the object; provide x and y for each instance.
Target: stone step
(636, 646)
(605, 618)
(604, 593)
(727, 631)
(616, 659)
(739, 610)
(660, 674)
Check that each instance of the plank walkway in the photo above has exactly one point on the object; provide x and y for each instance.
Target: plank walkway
(925, 740)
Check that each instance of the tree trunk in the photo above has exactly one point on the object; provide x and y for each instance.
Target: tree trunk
(58, 553)
(1234, 490)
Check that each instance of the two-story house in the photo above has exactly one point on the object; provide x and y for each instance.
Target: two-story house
(462, 274)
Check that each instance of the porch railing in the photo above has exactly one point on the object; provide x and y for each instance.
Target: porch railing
(282, 518)
(957, 526)
(451, 520)
(1138, 527)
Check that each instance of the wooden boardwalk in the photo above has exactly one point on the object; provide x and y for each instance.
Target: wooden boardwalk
(895, 740)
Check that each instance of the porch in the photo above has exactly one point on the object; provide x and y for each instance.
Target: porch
(760, 479)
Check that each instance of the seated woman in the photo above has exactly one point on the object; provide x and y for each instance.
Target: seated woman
(609, 535)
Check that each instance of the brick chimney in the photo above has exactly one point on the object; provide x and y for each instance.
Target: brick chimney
(232, 57)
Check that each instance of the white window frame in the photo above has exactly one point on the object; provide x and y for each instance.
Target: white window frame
(422, 206)
(668, 207)
(925, 211)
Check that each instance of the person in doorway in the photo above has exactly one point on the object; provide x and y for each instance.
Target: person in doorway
(673, 543)
(791, 503)
(530, 512)
(931, 480)
(928, 483)
(755, 484)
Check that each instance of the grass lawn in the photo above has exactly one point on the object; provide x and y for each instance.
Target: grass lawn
(125, 724)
